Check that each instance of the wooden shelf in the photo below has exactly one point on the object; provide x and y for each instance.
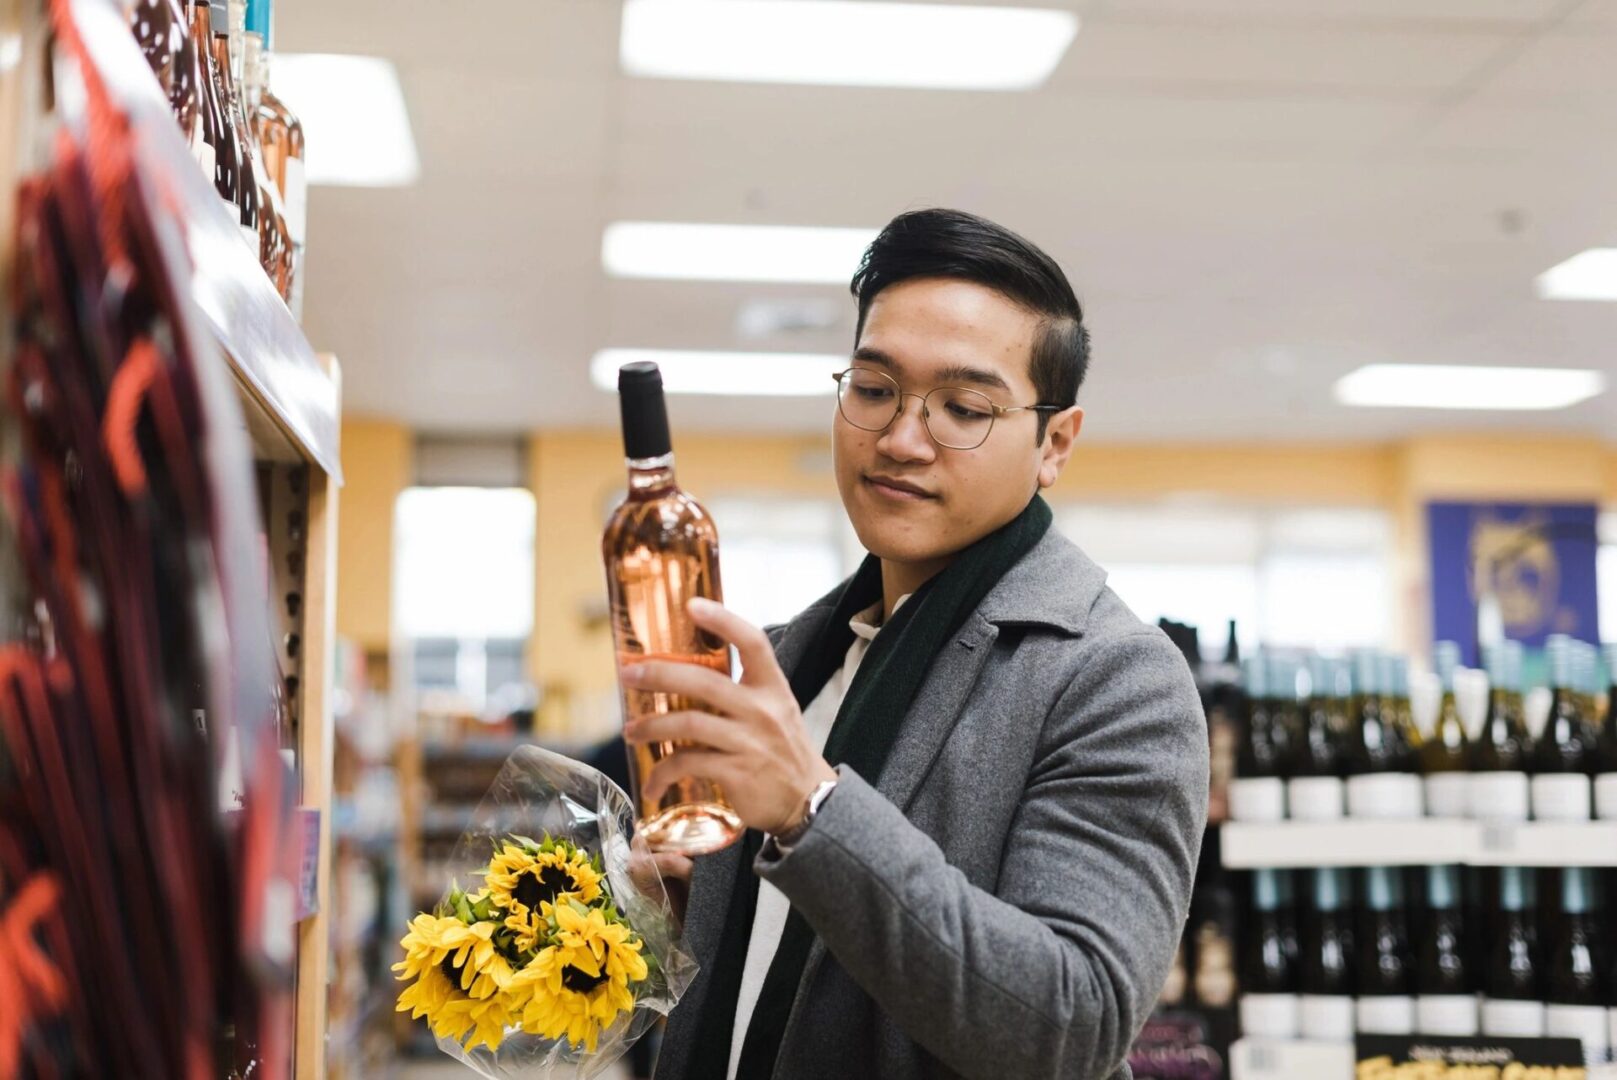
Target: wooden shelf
(1418, 842)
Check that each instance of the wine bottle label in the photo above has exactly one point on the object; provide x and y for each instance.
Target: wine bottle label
(1512, 1019)
(1561, 797)
(1384, 795)
(1448, 795)
(1587, 1023)
(1257, 798)
(1392, 1015)
(1314, 798)
(297, 200)
(1327, 1018)
(1499, 796)
(1449, 1015)
(1269, 1016)
(1605, 787)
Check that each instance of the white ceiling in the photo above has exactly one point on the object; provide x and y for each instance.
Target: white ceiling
(1252, 198)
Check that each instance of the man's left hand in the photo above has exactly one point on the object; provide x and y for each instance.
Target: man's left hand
(752, 743)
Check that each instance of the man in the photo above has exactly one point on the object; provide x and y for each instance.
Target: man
(975, 783)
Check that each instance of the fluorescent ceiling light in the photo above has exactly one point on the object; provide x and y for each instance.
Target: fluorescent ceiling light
(727, 373)
(801, 255)
(845, 43)
(354, 121)
(1441, 386)
(1589, 275)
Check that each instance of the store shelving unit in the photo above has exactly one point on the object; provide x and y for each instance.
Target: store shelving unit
(289, 403)
(1418, 842)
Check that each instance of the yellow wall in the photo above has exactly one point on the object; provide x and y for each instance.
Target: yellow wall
(577, 474)
(377, 464)
(1252, 472)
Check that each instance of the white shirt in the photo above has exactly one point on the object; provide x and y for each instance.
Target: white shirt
(769, 918)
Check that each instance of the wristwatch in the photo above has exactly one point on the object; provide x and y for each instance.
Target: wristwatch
(784, 841)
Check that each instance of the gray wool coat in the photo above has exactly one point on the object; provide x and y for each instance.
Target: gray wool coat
(1005, 899)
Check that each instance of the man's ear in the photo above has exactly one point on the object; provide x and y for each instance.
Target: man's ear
(1059, 435)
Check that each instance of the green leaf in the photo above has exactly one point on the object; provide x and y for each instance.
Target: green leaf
(525, 841)
(464, 910)
(484, 908)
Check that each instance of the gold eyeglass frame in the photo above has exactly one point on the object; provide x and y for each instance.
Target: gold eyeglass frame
(996, 410)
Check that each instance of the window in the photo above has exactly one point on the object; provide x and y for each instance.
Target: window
(1319, 578)
(464, 586)
(778, 555)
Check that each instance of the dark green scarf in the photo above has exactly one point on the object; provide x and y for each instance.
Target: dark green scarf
(866, 726)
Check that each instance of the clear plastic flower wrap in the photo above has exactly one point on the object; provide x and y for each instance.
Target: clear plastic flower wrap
(554, 947)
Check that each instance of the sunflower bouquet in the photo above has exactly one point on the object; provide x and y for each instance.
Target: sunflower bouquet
(563, 950)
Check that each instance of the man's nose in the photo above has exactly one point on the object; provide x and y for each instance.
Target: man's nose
(907, 438)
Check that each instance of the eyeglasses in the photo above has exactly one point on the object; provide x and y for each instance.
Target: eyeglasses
(954, 417)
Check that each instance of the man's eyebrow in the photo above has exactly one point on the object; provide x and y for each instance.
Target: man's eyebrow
(871, 355)
(946, 376)
(966, 373)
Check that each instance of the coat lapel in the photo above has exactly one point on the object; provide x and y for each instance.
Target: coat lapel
(935, 711)
(713, 876)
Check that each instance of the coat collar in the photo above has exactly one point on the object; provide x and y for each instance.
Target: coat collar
(1054, 586)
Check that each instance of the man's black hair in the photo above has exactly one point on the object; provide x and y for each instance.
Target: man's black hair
(955, 244)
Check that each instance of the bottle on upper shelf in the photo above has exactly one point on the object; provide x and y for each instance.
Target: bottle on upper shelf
(1384, 976)
(1513, 1002)
(1443, 755)
(1402, 707)
(1575, 968)
(213, 140)
(275, 248)
(1564, 755)
(233, 158)
(1258, 791)
(1268, 1003)
(164, 35)
(1327, 957)
(1382, 782)
(1314, 790)
(1445, 979)
(280, 136)
(185, 93)
(1605, 782)
(1502, 752)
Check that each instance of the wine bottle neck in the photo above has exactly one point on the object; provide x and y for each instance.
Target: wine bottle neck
(651, 475)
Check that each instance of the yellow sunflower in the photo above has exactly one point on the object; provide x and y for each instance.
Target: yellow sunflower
(525, 881)
(459, 977)
(578, 986)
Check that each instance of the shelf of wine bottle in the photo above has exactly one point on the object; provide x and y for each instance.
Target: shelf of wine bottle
(292, 401)
(1418, 842)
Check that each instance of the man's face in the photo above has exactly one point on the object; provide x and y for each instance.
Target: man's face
(932, 332)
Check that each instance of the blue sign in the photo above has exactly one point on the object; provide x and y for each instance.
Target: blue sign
(1536, 559)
